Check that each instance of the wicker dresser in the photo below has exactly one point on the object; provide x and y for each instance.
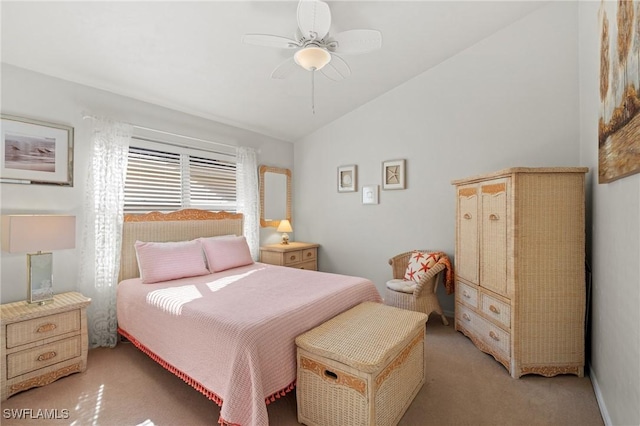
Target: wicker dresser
(520, 252)
(40, 344)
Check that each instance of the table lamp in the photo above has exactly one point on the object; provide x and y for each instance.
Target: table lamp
(38, 233)
(284, 227)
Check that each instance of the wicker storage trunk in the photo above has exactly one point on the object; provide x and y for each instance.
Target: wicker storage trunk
(362, 367)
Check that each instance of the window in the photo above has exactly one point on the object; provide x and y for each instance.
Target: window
(168, 178)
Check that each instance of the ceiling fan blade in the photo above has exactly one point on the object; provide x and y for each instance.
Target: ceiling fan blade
(270, 41)
(314, 18)
(357, 41)
(284, 69)
(337, 69)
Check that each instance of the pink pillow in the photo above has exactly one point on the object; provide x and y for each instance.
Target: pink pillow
(169, 261)
(226, 253)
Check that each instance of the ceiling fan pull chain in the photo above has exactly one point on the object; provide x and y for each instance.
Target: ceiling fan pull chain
(313, 91)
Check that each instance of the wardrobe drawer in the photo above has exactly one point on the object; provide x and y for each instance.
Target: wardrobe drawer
(42, 356)
(33, 330)
(467, 294)
(468, 318)
(494, 337)
(496, 310)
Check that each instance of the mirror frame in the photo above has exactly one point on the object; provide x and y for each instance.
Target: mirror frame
(268, 169)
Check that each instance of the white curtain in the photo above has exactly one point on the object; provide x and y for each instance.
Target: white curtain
(247, 196)
(102, 230)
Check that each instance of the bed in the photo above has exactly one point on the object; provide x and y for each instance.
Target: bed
(229, 334)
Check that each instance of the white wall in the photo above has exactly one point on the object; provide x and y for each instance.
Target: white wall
(37, 96)
(614, 240)
(511, 100)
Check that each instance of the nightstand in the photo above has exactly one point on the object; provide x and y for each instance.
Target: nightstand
(40, 344)
(295, 255)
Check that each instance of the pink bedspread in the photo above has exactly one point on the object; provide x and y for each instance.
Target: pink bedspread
(233, 331)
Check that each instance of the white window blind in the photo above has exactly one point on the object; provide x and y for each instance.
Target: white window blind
(167, 178)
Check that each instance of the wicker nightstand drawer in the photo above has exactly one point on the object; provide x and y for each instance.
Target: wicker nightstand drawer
(308, 254)
(309, 266)
(24, 332)
(292, 257)
(42, 356)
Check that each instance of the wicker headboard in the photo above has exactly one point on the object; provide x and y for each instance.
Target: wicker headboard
(183, 225)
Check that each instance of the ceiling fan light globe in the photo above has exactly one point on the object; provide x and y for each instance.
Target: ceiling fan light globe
(312, 57)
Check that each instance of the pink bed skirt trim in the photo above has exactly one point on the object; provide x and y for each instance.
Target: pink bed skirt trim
(194, 383)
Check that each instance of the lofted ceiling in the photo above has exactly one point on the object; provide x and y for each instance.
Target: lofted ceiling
(188, 56)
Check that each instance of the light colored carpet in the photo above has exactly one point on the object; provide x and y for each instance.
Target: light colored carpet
(123, 386)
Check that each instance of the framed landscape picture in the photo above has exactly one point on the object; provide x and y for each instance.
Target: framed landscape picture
(619, 121)
(35, 152)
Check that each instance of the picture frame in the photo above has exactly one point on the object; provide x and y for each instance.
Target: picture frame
(393, 174)
(348, 178)
(370, 194)
(619, 113)
(35, 152)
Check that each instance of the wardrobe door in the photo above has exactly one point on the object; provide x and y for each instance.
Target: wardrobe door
(467, 233)
(493, 235)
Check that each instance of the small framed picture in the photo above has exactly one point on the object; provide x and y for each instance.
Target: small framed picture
(393, 174)
(35, 151)
(347, 178)
(370, 194)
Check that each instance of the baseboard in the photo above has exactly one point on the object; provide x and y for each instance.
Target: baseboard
(596, 389)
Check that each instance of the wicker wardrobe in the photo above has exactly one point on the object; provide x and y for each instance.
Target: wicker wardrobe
(519, 264)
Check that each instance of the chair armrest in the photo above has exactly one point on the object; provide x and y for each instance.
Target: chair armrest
(432, 274)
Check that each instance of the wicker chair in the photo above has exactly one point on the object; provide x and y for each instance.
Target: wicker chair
(423, 298)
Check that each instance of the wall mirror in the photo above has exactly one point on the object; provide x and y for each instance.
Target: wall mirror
(275, 195)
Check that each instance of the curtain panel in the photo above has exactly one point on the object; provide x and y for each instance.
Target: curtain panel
(248, 197)
(102, 228)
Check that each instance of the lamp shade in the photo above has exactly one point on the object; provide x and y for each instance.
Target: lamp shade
(284, 226)
(312, 57)
(32, 233)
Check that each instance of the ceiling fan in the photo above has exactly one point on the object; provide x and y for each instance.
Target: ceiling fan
(315, 49)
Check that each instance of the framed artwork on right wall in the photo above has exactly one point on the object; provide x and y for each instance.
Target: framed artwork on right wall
(619, 121)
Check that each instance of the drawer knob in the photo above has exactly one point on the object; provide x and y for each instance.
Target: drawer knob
(309, 254)
(493, 309)
(494, 216)
(466, 294)
(293, 257)
(467, 216)
(466, 317)
(46, 327)
(494, 336)
(47, 356)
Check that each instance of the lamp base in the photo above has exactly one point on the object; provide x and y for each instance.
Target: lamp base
(40, 287)
(285, 238)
